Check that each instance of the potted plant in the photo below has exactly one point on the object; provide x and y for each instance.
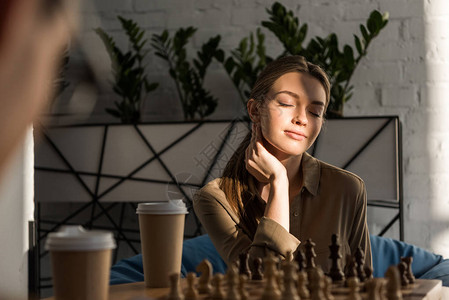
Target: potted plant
(130, 79)
(249, 58)
(197, 102)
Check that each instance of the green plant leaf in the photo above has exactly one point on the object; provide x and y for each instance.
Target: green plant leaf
(130, 81)
(358, 44)
(229, 65)
(348, 56)
(364, 32)
(377, 17)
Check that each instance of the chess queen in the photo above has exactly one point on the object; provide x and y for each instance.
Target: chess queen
(273, 195)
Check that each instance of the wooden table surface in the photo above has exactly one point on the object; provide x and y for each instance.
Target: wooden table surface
(137, 290)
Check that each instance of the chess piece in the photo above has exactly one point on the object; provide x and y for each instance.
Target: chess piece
(205, 268)
(232, 278)
(303, 291)
(402, 268)
(288, 257)
(373, 288)
(368, 272)
(408, 261)
(191, 293)
(257, 275)
(328, 288)
(289, 268)
(217, 291)
(175, 289)
(316, 283)
(244, 295)
(300, 259)
(353, 284)
(350, 269)
(310, 254)
(393, 284)
(280, 279)
(271, 290)
(360, 262)
(335, 272)
(243, 264)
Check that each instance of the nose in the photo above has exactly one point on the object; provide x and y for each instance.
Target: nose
(300, 117)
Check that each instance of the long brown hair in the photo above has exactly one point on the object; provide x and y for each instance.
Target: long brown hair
(237, 184)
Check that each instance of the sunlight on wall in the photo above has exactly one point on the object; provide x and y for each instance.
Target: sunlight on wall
(436, 105)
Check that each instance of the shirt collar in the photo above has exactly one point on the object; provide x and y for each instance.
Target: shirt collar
(311, 173)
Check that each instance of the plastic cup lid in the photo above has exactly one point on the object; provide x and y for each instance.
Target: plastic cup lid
(75, 237)
(171, 207)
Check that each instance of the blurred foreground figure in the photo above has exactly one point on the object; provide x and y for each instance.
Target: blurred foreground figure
(33, 35)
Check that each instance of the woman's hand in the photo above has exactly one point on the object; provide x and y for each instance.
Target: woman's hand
(260, 163)
(266, 168)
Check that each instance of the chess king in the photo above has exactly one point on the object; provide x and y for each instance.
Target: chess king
(272, 195)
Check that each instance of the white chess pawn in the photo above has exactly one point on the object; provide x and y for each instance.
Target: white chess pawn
(290, 292)
(393, 284)
(353, 284)
(373, 288)
(175, 290)
(191, 293)
(244, 295)
(232, 277)
(217, 291)
(303, 281)
(316, 284)
(271, 290)
(328, 288)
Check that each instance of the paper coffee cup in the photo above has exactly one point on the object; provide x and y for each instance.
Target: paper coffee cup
(81, 262)
(161, 234)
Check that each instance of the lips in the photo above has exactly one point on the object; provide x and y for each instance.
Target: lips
(296, 135)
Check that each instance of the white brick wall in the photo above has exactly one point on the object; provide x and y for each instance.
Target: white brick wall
(406, 73)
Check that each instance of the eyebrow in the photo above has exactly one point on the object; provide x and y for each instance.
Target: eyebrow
(294, 95)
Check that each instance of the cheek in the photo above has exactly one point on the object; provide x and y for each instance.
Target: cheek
(317, 128)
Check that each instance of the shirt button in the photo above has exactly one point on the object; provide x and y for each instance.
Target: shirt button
(295, 214)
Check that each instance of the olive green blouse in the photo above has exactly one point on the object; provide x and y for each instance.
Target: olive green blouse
(331, 200)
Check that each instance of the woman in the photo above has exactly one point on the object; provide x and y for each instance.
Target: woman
(273, 196)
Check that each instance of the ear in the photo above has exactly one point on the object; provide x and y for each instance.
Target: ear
(253, 108)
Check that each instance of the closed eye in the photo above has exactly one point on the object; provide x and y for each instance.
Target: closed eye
(317, 115)
(285, 104)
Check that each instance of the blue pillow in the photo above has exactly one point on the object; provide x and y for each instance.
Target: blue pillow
(440, 271)
(193, 252)
(387, 252)
(199, 248)
(127, 270)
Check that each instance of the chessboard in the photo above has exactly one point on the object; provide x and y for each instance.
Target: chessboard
(288, 283)
(420, 290)
(297, 277)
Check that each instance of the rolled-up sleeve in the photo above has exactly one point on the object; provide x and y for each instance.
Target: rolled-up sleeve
(229, 237)
(270, 234)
